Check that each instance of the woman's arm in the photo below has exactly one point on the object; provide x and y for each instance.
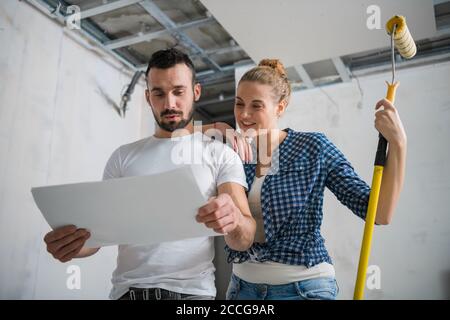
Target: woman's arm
(388, 123)
(351, 190)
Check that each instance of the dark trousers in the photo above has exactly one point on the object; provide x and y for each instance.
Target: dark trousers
(159, 294)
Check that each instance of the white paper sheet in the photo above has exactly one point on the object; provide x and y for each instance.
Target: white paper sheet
(132, 210)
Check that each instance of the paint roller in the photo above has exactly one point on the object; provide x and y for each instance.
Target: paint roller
(402, 40)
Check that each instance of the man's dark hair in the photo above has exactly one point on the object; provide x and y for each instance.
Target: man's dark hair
(165, 59)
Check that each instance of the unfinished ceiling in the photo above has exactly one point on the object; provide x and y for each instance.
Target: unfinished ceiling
(299, 32)
(131, 30)
(327, 41)
(320, 42)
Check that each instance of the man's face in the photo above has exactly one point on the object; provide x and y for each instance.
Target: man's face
(171, 96)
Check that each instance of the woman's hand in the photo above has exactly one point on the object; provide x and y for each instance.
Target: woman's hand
(388, 123)
(242, 147)
(234, 139)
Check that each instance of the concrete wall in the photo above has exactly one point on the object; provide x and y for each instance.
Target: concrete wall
(413, 252)
(57, 125)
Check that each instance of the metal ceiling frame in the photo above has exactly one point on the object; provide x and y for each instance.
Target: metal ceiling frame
(107, 7)
(133, 39)
(88, 29)
(341, 69)
(346, 72)
(177, 33)
(215, 72)
(304, 76)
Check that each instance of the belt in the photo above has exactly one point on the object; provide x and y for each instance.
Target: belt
(149, 294)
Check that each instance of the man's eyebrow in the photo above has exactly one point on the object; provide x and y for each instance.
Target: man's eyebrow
(174, 88)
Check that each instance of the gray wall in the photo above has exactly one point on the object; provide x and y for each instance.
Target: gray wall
(57, 125)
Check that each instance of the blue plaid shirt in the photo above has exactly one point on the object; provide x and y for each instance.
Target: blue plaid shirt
(292, 200)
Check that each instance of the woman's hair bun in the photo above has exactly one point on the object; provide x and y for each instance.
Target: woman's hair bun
(274, 64)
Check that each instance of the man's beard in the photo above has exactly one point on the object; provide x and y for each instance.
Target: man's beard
(171, 126)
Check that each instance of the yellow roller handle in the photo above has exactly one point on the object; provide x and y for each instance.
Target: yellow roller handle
(392, 89)
(368, 231)
(371, 215)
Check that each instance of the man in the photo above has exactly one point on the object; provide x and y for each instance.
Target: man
(179, 269)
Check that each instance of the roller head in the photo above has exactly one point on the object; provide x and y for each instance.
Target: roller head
(402, 38)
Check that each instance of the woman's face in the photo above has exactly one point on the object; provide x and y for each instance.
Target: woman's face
(256, 108)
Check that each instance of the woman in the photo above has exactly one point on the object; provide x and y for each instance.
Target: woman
(288, 259)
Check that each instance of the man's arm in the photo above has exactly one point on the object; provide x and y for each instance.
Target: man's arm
(228, 213)
(241, 238)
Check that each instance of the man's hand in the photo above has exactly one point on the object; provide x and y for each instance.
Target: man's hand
(66, 242)
(220, 214)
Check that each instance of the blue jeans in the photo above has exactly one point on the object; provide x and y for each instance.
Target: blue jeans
(312, 289)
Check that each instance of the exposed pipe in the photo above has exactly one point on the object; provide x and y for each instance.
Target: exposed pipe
(130, 89)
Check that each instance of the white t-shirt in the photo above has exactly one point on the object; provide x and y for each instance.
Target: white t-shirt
(181, 266)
